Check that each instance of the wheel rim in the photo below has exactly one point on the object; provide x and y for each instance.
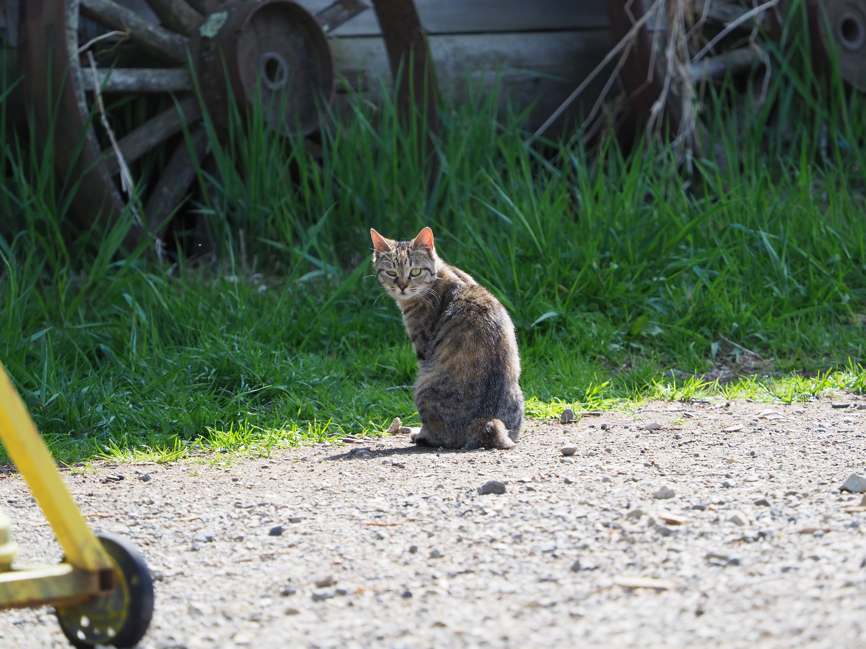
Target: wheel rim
(120, 616)
(164, 143)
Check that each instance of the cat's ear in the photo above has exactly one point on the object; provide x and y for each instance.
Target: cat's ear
(380, 243)
(424, 239)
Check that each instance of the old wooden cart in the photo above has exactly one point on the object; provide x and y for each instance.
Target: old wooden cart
(120, 86)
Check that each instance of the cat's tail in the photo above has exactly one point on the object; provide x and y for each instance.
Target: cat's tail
(492, 434)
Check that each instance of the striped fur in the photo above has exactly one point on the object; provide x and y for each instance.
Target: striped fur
(467, 390)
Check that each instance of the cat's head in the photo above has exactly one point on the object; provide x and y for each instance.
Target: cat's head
(405, 269)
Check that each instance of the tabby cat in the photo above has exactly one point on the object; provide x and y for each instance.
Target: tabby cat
(467, 391)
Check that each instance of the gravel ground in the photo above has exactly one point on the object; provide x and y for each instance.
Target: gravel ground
(378, 544)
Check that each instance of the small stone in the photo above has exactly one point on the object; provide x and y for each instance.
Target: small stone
(568, 481)
(723, 560)
(762, 502)
(635, 514)
(406, 594)
(664, 493)
(395, 427)
(295, 519)
(205, 537)
(288, 591)
(341, 592)
(436, 554)
(739, 518)
(727, 484)
(582, 566)
(492, 487)
(276, 530)
(413, 549)
(114, 477)
(322, 595)
(651, 426)
(671, 519)
(568, 451)
(700, 507)
(634, 583)
(360, 452)
(840, 405)
(325, 582)
(567, 416)
(291, 611)
(856, 484)
(662, 530)
(145, 477)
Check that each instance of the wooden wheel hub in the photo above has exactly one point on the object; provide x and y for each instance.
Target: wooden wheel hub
(272, 50)
(845, 28)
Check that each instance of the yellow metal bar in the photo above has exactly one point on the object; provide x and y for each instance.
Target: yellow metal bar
(55, 585)
(30, 454)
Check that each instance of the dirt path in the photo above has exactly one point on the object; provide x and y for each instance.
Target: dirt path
(392, 547)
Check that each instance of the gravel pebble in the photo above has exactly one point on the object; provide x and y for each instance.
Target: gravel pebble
(567, 416)
(492, 487)
(855, 484)
(568, 451)
(325, 582)
(739, 518)
(663, 493)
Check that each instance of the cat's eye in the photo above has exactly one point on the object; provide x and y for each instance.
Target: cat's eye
(415, 272)
(391, 273)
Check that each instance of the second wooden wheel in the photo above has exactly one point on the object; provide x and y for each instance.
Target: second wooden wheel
(839, 27)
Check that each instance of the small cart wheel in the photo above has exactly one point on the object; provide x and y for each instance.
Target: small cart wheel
(119, 617)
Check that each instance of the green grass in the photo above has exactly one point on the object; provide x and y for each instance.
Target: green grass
(617, 269)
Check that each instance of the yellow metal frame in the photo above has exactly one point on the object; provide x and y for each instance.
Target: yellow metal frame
(88, 569)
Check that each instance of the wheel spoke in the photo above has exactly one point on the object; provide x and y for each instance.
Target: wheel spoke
(178, 175)
(139, 80)
(729, 62)
(152, 37)
(177, 15)
(730, 12)
(152, 133)
(338, 13)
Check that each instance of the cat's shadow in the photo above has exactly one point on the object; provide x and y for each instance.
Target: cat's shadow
(365, 453)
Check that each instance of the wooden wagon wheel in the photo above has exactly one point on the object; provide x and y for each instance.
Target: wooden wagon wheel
(840, 26)
(676, 48)
(113, 82)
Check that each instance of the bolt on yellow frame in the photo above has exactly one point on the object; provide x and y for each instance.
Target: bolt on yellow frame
(88, 570)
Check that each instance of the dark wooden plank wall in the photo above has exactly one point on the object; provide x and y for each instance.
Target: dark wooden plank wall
(534, 53)
(471, 16)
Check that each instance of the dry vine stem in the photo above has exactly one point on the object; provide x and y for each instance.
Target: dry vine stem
(681, 71)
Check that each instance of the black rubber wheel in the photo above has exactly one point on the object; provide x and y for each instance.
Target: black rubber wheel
(120, 617)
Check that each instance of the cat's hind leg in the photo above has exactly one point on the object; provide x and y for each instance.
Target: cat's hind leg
(488, 434)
